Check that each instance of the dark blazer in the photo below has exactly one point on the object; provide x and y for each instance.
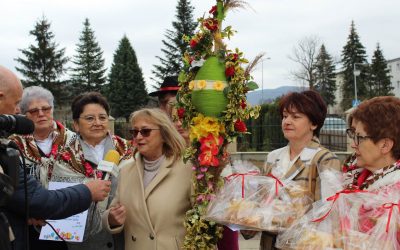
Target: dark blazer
(43, 204)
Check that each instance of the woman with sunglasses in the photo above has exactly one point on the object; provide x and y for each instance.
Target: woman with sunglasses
(375, 138)
(41, 148)
(79, 160)
(152, 212)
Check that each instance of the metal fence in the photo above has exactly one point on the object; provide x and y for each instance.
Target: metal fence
(265, 134)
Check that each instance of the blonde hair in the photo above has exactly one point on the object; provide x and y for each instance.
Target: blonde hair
(174, 144)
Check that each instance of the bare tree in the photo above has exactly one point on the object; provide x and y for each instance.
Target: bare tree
(304, 54)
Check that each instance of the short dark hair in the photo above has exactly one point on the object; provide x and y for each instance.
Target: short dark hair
(79, 103)
(381, 118)
(308, 102)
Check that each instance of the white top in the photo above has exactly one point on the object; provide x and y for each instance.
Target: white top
(45, 145)
(98, 150)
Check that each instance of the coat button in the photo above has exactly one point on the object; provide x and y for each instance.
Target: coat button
(151, 237)
(109, 244)
(133, 238)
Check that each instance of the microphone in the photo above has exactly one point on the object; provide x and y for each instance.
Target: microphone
(16, 124)
(109, 164)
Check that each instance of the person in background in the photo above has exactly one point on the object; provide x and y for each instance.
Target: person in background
(160, 187)
(79, 160)
(375, 133)
(167, 102)
(43, 204)
(303, 115)
(41, 148)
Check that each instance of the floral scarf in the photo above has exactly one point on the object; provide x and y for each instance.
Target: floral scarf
(74, 157)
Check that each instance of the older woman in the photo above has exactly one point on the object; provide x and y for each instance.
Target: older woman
(303, 115)
(78, 162)
(49, 137)
(152, 211)
(375, 133)
(40, 149)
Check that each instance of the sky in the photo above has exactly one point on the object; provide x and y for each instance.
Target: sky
(271, 26)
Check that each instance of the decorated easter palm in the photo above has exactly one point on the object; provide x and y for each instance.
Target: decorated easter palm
(212, 104)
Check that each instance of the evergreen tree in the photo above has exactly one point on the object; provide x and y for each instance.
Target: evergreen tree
(126, 90)
(325, 82)
(44, 64)
(379, 81)
(174, 46)
(353, 54)
(88, 73)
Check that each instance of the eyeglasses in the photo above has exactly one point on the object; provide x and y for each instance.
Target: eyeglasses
(351, 133)
(91, 118)
(145, 132)
(36, 111)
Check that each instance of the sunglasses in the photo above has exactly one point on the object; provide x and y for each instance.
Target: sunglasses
(36, 111)
(145, 132)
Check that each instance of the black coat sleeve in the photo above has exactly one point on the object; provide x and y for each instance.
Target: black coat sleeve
(49, 204)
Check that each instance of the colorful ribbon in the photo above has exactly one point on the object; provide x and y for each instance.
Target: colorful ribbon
(334, 198)
(277, 183)
(390, 207)
(233, 176)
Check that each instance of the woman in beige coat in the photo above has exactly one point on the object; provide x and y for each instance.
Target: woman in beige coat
(154, 190)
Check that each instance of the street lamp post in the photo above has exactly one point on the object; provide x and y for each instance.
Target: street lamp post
(356, 73)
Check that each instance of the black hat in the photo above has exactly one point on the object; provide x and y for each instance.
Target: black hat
(170, 84)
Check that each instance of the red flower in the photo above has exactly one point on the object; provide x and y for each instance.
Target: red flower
(211, 24)
(234, 57)
(243, 104)
(181, 112)
(66, 156)
(208, 159)
(213, 9)
(193, 43)
(230, 71)
(240, 126)
(88, 169)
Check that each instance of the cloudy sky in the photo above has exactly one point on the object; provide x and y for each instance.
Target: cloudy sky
(271, 26)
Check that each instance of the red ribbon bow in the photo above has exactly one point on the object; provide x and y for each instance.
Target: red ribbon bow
(334, 198)
(390, 207)
(277, 183)
(233, 176)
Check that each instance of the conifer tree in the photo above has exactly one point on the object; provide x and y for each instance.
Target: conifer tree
(126, 90)
(325, 82)
(174, 46)
(88, 72)
(42, 63)
(379, 80)
(353, 54)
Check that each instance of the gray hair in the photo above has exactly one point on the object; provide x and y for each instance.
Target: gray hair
(35, 93)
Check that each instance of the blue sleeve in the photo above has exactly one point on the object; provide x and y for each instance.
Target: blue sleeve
(49, 204)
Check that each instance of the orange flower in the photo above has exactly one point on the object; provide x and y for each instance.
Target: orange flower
(208, 159)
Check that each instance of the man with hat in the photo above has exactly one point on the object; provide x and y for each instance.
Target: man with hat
(167, 93)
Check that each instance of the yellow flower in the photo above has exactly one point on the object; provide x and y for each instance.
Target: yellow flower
(201, 84)
(218, 85)
(191, 85)
(203, 126)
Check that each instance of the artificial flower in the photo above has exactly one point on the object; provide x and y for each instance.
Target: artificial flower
(208, 159)
(213, 9)
(243, 104)
(211, 24)
(193, 43)
(66, 156)
(181, 112)
(191, 85)
(218, 85)
(201, 84)
(230, 71)
(240, 126)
